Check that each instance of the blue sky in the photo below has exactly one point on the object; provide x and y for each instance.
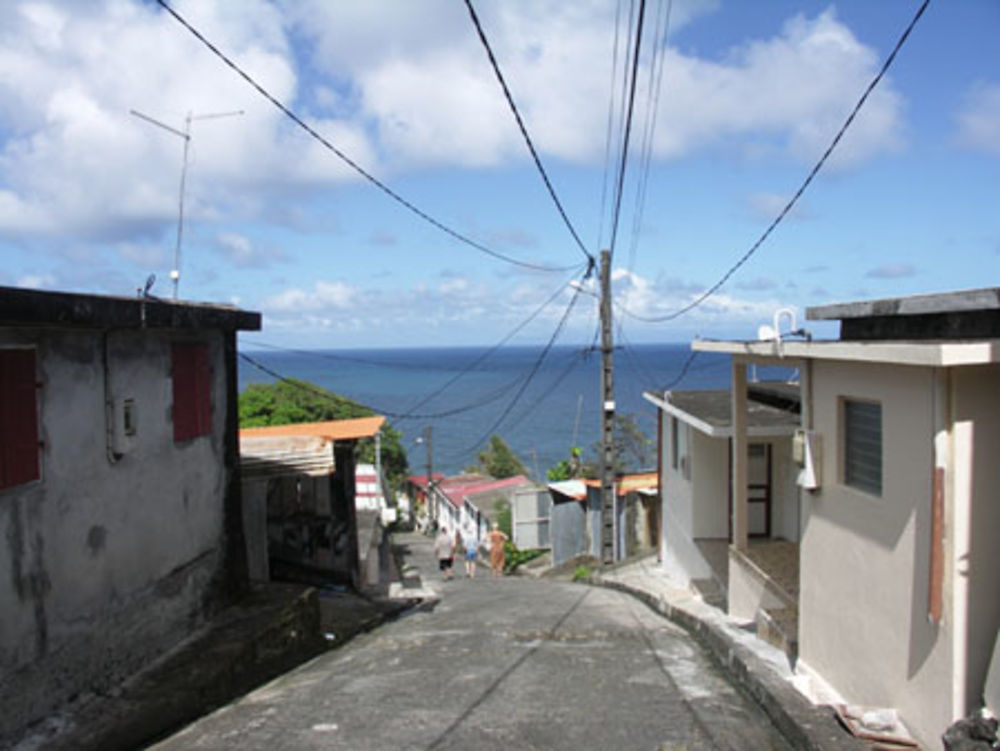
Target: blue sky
(751, 95)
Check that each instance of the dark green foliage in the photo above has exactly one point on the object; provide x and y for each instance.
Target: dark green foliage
(633, 449)
(514, 556)
(499, 461)
(567, 469)
(294, 401)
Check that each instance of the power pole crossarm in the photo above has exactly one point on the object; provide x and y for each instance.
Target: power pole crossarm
(607, 417)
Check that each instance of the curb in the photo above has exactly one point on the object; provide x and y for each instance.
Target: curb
(804, 725)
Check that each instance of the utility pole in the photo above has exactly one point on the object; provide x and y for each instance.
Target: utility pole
(607, 417)
(431, 500)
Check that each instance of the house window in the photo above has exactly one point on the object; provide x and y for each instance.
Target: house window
(192, 391)
(863, 445)
(18, 418)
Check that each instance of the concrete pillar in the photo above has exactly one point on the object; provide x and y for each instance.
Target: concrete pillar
(739, 405)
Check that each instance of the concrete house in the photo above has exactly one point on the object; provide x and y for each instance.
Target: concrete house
(696, 475)
(899, 601)
(301, 510)
(119, 491)
(467, 501)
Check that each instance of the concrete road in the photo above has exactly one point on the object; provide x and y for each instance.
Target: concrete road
(499, 664)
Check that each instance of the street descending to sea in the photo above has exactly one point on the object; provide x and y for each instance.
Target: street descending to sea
(510, 663)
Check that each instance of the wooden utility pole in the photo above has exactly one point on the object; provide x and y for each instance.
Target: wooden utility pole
(607, 417)
(431, 500)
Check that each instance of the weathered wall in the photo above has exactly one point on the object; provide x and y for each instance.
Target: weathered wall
(977, 446)
(104, 565)
(569, 531)
(865, 559)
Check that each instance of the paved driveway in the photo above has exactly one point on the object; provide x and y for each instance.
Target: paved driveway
(499, 664)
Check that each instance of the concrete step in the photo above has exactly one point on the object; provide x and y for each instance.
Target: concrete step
(779, 627)
(711, 591)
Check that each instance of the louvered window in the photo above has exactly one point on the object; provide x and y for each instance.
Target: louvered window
(863, 445)
(192, 391)
(18, 418)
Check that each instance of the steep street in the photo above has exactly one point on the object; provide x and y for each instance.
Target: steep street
(498, 664)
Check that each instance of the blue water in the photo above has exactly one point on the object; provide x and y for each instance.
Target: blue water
(560, 401)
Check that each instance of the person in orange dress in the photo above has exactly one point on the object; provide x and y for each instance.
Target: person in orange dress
(496, 539)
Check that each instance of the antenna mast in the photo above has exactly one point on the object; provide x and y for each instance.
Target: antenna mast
(175, 272)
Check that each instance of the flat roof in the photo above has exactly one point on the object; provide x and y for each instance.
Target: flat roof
(987, 298)
(32, 307)
(942, 353)
(711, 412)
(331, 430)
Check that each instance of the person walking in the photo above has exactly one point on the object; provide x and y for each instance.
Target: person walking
(471, 544)
(444, 550)
(496, 539)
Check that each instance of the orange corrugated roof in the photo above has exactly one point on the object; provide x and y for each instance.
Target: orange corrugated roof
(332, 430)
(625, 484)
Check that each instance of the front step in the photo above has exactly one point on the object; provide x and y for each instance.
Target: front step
(779, 627)
(710, 591)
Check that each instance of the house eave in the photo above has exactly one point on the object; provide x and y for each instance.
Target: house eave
(938, 354)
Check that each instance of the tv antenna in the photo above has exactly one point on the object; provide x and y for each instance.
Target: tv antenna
(175, 272)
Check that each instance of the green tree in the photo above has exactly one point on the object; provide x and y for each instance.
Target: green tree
(634, 450)
(293, 401)
(499, 461)
(566, 469)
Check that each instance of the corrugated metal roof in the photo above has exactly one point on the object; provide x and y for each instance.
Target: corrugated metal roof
(274, 455)
(332, 430)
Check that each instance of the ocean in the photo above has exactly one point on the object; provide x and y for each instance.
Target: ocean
(466, 394)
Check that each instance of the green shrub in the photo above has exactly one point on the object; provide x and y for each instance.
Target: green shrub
(581, 573)
(514, 557)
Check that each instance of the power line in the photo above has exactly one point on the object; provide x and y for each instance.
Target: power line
(610, 126)
(534, 370)
(346, 159)
(323, 393)
(524, 130)
(628, 127)
(489, 353)
(802, 188)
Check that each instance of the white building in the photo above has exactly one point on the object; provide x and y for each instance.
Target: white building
(899, 601)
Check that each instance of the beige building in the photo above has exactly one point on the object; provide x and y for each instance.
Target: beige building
(899, 600)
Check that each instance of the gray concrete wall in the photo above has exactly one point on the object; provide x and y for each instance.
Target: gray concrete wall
(104, 565)
(568, 531)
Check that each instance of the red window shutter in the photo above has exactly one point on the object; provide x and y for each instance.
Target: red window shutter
(18, 418)
(192, 391)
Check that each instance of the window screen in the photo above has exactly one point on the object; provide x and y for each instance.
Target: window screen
(863, 445)
(192, 391)
(18, 418)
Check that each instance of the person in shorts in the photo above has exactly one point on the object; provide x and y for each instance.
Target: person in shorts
(471, 544)
(444, 550)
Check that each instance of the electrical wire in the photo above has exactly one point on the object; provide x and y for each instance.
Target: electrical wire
(628, 128)
(455, 234)
(798, 193)
(317, 391)
(524, 131)
(534, 370)
(489, 353)
(610, 126)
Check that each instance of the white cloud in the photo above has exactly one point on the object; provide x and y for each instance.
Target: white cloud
(325, 296)
(769, 205)
(242, 253)
(787, 94)
(75, 161)
(36, 281)
(978, 118)
(892, 271)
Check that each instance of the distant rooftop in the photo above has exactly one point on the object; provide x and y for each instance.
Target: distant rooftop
(969, 314)
(32, 307)
(772, 409)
